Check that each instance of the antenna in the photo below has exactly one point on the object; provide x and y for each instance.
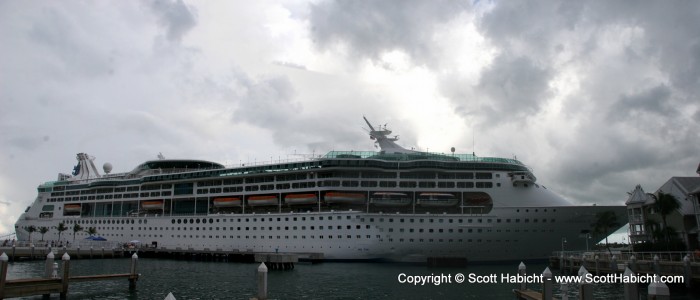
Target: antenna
(473, 141)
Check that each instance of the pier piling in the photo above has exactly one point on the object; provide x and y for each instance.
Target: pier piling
(262, 282)
(3, 274)
(585, 289)
(658, 290)
(547, 284)
(522, 270)
(631, 292)
(687, 271)
(134, 275)
(66, 276)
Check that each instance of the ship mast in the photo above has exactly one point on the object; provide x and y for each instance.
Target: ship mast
(386, 143)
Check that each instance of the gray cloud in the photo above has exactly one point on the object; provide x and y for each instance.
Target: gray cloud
(371, 28)
(648, 104)
(514, 88)
(175, 16)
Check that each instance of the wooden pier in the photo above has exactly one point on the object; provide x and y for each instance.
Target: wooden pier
(52, 283)
(659, 263)
(31, 253)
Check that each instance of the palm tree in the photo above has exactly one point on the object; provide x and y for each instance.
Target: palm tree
(31, 230)
(91, 231)
(76, 228)
(665, 204)
(43, 230)
(61, 228)
(605, 221)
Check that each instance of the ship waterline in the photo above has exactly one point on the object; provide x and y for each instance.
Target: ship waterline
(396, 204)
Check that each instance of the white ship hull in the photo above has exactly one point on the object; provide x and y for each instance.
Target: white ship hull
(397, 205)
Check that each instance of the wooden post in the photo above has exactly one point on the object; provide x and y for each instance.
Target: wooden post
(3, 274)
(77, 254)
(585, 290)
(262, 282)
(597, 268)
(13, 252)
(66, 276)
(564, 291)
(134, 275)
(31, 252)
(48, 268)
(632, 264)
(562, 264)
(687, 271)
(658, 290)
(571, 264)
(90, 252)
(103, 252)
(522, 271)
(613, 264)
(657, 266)
(631, 291)
(547, 284)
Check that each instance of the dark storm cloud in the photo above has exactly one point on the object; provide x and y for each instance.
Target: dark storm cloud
(651, 103)
(175, 16)
(371, 28)
(514, 88)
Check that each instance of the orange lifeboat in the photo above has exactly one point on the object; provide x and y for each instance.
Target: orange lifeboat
(152, 204)
(295, 199)
(262, 200)
(344, 198)
(227, 202)
(71, 208)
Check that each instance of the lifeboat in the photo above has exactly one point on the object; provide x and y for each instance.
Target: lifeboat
(390, 199)
(71, 208)
(152, 204)
(262, 200)
(295, 199)
(481, 201)
(227, 202)
(436, 199)
(344, 198)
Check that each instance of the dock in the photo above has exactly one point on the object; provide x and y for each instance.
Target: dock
(602, 262)
(51, 283)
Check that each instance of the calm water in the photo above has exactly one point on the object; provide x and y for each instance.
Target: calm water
(223, 280)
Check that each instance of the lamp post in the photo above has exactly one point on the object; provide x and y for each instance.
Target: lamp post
(588, 236)
(563, 241)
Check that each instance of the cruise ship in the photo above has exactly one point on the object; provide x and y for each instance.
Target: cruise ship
(394, 204)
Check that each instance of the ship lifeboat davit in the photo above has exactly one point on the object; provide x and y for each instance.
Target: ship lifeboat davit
(262, 200)
(227, 202)
(71, 208)
(390, 199)
(437, 199)
(296, 199)
(344, 198)
(152, 204)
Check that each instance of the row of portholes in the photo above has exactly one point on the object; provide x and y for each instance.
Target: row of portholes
(192, 221)
(144, 221)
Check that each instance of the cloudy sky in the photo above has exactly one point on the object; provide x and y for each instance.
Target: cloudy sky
(594, 96)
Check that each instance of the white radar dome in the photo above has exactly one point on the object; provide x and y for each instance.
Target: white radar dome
(107, 167)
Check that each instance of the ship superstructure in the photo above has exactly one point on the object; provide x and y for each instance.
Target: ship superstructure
(394, 204)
